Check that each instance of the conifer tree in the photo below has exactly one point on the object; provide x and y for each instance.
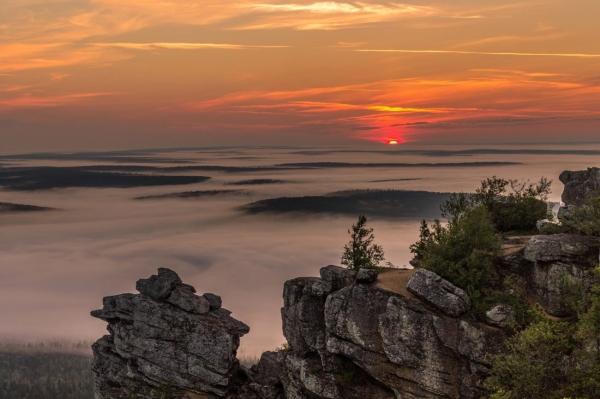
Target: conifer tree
(360, 252)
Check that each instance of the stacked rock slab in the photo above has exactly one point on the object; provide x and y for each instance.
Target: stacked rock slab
(165, 340)
(558, 260)
(364, 341)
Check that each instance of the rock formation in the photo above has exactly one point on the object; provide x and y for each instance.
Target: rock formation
(556, 258)
(393, 344)
(580, 186)
(391, 334)
(166, 337)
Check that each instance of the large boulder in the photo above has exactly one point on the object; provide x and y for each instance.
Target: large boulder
(303, 315)
(580, 186)
(367, 276)
(166, 336)
(500, 315)
(442, 294)
(558, 260)
(413, 349)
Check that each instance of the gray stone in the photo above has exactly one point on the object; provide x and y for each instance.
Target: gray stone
(566, 213)
(159, 286)
(302, 315)
(556, 258)
(185, 299)
(438, 292)
(165, 336)
(500, 315)
(542, 224)
(565, 248)
(322, 288)
(214, 301)
(580, 186)
(339, 277)
(269, 368)
(366, 276)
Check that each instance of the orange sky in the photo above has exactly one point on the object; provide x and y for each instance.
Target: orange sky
(144, 73)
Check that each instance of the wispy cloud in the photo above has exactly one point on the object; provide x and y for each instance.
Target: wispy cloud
(29, 101)
(518, 54)
(185, 46)
(329, 15)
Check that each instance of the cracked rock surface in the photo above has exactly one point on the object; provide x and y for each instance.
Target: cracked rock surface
(166, 336)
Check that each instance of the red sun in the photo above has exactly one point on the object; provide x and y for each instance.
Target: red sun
(393, 142)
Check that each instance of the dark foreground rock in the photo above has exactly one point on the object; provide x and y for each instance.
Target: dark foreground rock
(166, 338)
(348, 337)
(558, 260)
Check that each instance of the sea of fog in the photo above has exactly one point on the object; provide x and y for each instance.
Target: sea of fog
(56, 266)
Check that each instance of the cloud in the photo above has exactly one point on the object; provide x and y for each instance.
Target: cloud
(329, 15)
(25, 56)
(569, 55)
(184, 46)
(28, 101)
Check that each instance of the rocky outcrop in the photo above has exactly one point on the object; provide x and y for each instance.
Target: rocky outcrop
(348, 337)
(166, 337)
(442, 294)
(580, 186)
(394, 344)
(559, 260)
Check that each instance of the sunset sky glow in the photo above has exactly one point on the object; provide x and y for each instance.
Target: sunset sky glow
(77, 74)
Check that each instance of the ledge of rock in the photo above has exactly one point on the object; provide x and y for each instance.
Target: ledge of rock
(166, 336)
(442, 294)
(556, 257)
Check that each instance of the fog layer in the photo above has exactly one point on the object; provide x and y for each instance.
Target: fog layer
(56, 266)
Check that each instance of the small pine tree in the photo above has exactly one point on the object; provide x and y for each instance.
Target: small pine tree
(360, 252)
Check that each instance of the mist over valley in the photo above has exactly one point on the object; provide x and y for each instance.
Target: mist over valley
(136, 212)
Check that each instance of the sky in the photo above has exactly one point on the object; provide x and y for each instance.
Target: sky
(100, 74)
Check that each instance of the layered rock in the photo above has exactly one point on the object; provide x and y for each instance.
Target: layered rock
(559, 260)
(166, 337)
(388, 344)
(433, 289)
(580, 186)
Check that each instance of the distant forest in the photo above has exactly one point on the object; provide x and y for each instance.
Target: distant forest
(192, 194)
(7, 207)
(383, 203)
(44, 178)
(45, 375)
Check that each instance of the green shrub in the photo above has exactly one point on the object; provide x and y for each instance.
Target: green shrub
(462, 252)
(533, 366)
(554, 359)
(514, 210)
(586, 219)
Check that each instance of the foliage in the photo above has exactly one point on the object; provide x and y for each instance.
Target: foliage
(463, 251)
(517, 209)
(360, 252)
(554, 359)
(586, 219)
(37, 375)
(285, 348)
(163, 392)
